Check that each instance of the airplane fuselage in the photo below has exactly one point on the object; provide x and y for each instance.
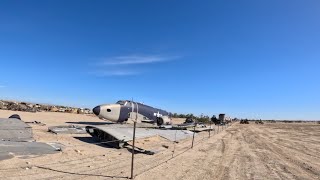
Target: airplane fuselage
(123, 111)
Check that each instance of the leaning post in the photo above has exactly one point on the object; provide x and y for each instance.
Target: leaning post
(194, 131)
(133, 147)
(210, 127)
(133, 138)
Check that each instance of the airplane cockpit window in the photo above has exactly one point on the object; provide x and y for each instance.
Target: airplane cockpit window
(121, 102)
(128, 103)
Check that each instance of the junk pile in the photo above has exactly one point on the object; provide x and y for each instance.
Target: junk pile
(31, 107)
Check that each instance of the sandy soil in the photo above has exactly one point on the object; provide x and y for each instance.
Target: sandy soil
(269, 151)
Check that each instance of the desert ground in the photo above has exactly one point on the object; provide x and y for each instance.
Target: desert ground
(239, 151)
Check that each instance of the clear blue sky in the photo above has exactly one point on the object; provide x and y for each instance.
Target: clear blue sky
(250, 58)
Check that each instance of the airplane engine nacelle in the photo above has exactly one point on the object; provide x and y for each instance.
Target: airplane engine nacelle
(163, 120)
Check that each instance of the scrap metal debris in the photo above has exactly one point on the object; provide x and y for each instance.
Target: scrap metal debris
(36, 122)
(71, 129)
(16, 139)
(13, 129)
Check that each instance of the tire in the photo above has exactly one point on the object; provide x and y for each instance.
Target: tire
(160, 121)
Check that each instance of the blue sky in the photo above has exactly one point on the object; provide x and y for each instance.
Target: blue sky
(255, 59)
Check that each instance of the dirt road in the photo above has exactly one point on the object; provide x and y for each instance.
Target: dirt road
(269, 151)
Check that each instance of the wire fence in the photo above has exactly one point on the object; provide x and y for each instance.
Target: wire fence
(98, 165)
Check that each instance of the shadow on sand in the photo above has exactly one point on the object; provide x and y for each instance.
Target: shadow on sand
(93, 140)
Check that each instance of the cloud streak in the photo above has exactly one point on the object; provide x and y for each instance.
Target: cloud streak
(2, 86)
(115, 73)
(137, 59)
(127, 65)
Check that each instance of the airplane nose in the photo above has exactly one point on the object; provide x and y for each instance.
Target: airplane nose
(96, 110)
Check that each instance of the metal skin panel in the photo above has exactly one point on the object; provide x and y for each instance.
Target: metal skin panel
(9, 148)
(124, 113)
(12, 129)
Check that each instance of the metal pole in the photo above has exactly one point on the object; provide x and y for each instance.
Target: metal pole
(210, 128)
(194, 131)
(133, 147)
(133, 138)
(175, 141)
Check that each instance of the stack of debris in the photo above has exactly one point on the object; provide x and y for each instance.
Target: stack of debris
(14, 106)
(30, 107)
(3, 105)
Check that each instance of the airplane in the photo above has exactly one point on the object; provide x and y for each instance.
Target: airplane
(124, 111)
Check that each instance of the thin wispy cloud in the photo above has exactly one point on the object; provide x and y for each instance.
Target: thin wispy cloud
(127, 65)
(137, 59)
(2, 86)
(115, 73)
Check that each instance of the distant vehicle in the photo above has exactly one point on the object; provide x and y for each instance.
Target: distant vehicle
(124, 111)
(259, 122)
(189, 122)
(244, 121)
